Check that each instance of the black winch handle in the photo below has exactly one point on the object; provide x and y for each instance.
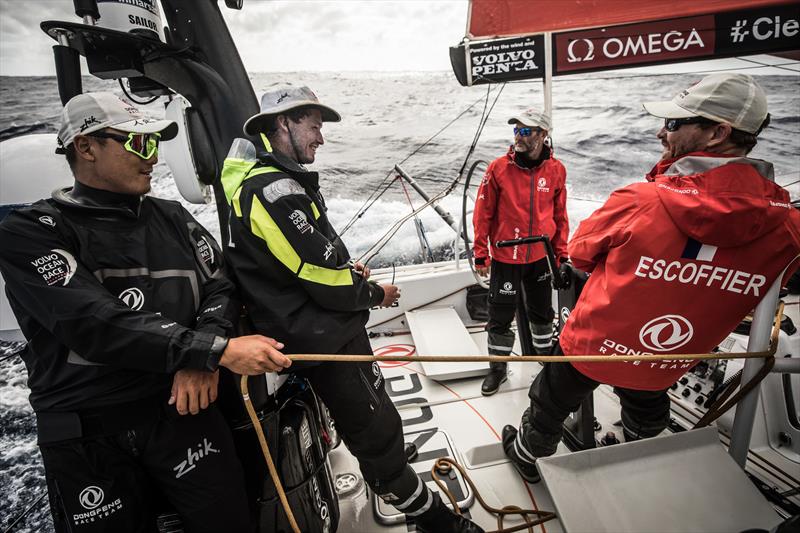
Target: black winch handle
(559, 282)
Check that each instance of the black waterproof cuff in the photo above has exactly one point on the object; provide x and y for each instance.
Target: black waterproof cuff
(480, 261)
(215, 353)
(376, 294)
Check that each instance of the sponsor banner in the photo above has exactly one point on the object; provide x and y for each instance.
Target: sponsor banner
(517, 58)
(758, 30)
(661, 41)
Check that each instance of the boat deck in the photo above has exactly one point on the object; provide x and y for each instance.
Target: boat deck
(473, 423)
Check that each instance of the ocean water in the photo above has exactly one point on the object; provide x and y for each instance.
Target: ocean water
(601, 134)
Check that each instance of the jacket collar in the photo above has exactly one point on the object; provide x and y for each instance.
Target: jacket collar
(98, 201)
(297, 171)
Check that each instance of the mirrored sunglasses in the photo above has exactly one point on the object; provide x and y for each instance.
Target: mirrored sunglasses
(144, 145)
(525, 131)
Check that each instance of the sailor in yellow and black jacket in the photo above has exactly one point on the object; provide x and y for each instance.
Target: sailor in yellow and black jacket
(297, 278)
(298, 284)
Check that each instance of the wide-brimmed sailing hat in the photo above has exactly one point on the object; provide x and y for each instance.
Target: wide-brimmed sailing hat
(90, 112)
(533, 118)
(734, 99)
(285, 99)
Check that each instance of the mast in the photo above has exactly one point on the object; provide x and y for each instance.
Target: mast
(199, 61)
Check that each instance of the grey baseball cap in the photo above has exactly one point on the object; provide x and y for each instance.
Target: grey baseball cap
(533, 118)
(90, 112)
(734, 99)
(285, 99)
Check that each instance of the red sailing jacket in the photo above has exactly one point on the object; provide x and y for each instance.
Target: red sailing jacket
(516, 202)
(676, 263)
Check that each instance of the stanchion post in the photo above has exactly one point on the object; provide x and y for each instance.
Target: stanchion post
(759, 341)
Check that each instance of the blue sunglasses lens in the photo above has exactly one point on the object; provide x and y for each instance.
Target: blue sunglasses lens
(524, 132)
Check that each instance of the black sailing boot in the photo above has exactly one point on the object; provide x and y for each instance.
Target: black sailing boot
(521, 458)
(498, 344)
(542, 335)
(439, 519)
(498, 373)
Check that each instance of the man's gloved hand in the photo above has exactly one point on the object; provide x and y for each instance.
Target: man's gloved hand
(193, 390)
(483, 266)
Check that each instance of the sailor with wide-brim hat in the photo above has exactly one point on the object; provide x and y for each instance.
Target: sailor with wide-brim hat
(283, 100)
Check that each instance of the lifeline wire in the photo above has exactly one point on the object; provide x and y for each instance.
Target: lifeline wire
(362, 210)
(370, 253)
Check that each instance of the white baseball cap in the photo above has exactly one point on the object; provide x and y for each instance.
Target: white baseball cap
(734, 99)
(90, 112)
(285, 99)
(533, 118)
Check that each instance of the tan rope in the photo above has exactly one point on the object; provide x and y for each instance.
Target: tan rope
(445, 463)
(267, 456)
(591, 358)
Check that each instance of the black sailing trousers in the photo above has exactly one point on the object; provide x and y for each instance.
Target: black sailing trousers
(117, 482)
(370, 425)
(559, 389)
(504, 285)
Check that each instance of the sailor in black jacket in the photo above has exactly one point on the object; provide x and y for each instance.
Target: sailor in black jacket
(299, 284)
(124, 303)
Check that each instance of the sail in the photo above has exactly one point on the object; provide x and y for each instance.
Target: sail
(498, 18)
(592, 35)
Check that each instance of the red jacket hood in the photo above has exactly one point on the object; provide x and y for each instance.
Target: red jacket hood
(720, 200)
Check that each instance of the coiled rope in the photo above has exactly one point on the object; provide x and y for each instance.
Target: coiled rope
(444, 465)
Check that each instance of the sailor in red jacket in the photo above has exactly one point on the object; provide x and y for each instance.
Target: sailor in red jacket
(676, 262)
(523, 193)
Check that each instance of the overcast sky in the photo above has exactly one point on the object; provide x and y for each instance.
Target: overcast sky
(279, 35)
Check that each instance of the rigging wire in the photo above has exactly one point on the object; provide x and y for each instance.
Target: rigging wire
(24, 513)
(370, 200)
(371, 252)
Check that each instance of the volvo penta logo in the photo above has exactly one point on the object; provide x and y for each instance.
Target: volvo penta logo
(91, 497)
(133, 298)
(666, 333)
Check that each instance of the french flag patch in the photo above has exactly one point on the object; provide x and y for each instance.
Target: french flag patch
(698, 251)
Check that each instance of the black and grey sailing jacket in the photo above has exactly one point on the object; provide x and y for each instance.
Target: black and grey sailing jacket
(114, 294)
(294, 271)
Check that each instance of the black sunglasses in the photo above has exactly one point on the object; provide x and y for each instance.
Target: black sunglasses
(674, 124)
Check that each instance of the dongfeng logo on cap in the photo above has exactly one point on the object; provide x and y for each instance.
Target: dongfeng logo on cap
(282, 97)
(133, 298)
(666, 333)
(91, 497)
